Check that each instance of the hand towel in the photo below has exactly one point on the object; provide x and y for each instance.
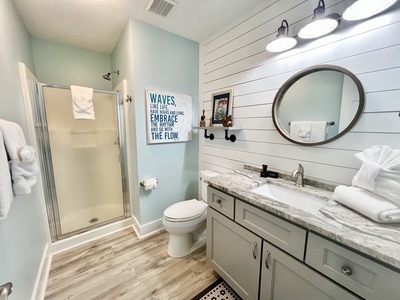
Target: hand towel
(318, 131)
(82, 103)
(300, 130)
(368, 204)
(6, 194)
(380, 172)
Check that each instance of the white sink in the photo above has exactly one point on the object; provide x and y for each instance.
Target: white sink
(299, 200)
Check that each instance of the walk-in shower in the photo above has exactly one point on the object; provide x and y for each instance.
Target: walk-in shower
(83, 162)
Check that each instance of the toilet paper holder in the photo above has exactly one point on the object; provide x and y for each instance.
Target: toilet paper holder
(145, 184)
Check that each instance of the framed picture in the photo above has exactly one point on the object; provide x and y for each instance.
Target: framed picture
(221, 106)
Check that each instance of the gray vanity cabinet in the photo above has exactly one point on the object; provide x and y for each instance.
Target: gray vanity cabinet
(284, 277)
(265, 257)
(234, 253)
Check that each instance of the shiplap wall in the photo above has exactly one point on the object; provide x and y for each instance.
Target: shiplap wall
(235, 58)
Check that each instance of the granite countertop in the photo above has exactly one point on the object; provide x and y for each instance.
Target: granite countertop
(333, 220)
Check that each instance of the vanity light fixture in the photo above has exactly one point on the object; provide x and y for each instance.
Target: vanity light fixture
(363, 9)
(282, 42)
(320, 24)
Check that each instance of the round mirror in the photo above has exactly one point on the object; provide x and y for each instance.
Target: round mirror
(318, 105)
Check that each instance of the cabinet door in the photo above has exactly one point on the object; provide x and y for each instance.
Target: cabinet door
(234, 253)
(284, 277)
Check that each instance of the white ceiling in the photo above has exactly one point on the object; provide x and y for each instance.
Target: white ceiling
(97, 24)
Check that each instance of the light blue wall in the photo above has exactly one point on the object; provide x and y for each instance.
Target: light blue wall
(66, 65)
(22, 234)
(163, 61)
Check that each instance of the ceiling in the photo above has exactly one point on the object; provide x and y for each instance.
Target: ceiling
(97, 24)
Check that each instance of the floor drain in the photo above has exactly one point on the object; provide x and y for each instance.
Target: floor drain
(93, 220)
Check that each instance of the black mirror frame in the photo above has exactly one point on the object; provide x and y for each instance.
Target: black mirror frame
(281, 92)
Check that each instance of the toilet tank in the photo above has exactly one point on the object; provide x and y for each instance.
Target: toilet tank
(203, 175)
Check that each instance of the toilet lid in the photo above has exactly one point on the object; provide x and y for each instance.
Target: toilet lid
(185, 210)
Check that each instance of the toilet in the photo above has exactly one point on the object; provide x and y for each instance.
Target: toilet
(185, 221)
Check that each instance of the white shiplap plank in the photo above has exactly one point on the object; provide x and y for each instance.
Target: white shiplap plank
(327, 50)
(387, 100)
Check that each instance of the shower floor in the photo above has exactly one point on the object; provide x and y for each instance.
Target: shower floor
(90, 217)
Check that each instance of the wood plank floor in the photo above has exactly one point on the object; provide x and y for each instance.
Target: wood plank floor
(121, 266)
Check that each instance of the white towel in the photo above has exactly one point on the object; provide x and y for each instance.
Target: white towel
(23, 176)
(22, 164)
(300, 130)
(82, 103)
(368, 204)
(6, 194)
(318, 131)
(380, 172)
(13, 138)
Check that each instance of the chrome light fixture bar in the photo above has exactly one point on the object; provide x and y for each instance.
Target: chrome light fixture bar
(320, 24)
(363, 9)
(282, 42)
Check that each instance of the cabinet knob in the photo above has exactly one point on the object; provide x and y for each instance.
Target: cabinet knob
(266, 259)
(346, 270)
(254, 250)
(219, 201)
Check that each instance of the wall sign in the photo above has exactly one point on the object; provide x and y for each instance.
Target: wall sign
(169, 117)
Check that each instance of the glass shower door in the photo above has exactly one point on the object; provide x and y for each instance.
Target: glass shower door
(85, 158)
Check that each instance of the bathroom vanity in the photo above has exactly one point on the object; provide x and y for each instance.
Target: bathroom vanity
(266, 249)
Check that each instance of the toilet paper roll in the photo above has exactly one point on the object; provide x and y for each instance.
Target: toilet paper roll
(150, 184)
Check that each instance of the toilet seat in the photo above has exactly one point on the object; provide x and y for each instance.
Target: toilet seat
(185, 211)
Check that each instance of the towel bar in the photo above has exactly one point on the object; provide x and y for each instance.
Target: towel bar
(327, 123)
(5, 290)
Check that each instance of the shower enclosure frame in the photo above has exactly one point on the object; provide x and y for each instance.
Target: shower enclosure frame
(46, 164)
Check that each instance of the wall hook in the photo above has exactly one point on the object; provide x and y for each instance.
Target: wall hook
(211, 136)
(231, 138)
(128, 99)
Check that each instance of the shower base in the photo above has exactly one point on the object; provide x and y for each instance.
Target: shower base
(90, 217)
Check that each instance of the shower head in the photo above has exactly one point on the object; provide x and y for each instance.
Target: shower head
(108, 75)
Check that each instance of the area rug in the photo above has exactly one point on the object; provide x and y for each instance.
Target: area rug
(219, 290)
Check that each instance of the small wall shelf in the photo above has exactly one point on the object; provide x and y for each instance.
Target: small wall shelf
(210, 136)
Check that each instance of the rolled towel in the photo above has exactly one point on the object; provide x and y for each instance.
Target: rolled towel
(26, 154)
(372, 206)
(380, 172)
(23, 176)
(13, 137)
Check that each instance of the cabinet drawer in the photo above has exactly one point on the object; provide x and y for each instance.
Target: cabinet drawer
(366, 278)
(221, 202)
(284, 277)
(286, 236)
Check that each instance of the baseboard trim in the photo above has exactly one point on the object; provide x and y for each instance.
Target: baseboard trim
(147, 229)
(39, 289)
